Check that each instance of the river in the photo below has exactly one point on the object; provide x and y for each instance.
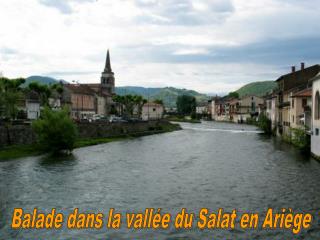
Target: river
(209, 165)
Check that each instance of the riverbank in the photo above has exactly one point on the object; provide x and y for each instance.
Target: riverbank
(26, 150)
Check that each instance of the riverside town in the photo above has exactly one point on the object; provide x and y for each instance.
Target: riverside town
(159, 119)
(291, 110)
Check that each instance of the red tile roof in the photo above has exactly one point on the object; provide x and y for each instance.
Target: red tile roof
(299, 78)
(80, 89)
(151, 104)
(303, 93)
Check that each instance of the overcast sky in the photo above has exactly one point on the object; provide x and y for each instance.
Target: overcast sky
(207, 45)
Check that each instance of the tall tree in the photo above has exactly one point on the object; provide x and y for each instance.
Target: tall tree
(2, 100)
(158, 101)
(44, 92)
(11, 95)
(233, 95)
(139, 102)
(186, 105)
(119, 100)
(127, 103)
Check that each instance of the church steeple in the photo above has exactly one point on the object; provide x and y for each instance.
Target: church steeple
(107, 76)
(107, 67)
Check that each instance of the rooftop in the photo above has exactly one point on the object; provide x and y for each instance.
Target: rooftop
(299, 78)
(303, 93)
(152, 104)
(80, 89)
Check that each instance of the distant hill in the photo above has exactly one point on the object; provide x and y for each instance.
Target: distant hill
(42, 80)
(168, 94)
(137, 90)
(257, 88)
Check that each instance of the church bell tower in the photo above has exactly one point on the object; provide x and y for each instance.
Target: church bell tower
(107, 76)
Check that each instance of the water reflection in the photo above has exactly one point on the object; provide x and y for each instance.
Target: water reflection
(58, 160)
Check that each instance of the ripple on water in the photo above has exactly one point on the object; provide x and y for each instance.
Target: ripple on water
(213, 165)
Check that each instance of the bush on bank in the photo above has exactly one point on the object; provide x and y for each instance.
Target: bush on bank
(55, 131)
(264, 123)
(299, 138)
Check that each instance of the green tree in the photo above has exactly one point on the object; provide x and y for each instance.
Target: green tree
(139, 102)
(58, 87)
(264, 123)
(158, 101)
(44, 92)
(300, 138)
(55, 130)
(11, 94)
(127, 103)
(1, 98)
(186, 105)
(119, 100)
(233, 95)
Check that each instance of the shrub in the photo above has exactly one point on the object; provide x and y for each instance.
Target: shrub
(300, 139)
(264, 123)
(193, 115)
(55, 131)
(251, 121)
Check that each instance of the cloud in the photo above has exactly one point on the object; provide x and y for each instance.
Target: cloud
(277, 52)
(206, 45)
(64, 6)
(8, 51)
(184, 12)
(69, 73)
(191, 51)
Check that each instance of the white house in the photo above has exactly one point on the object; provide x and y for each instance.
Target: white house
(152, 111)
(202, 109)
(271, 109)
(55, 103)
(315, 137)
(32, 105)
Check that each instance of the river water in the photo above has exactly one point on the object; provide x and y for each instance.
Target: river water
(209, 165)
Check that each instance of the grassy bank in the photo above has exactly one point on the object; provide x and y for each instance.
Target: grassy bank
(95, 141)
(18, 151)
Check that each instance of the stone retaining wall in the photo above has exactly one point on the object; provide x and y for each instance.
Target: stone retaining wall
(23, 134)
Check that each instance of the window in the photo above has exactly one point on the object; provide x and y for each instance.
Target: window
(154, 109)
(317, 106)
(253, 107)
(280, 98)
(304, 102)
(317, 131)
(292, 102)
(293, 118)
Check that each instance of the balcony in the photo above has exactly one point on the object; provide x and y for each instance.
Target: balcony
(284, 104)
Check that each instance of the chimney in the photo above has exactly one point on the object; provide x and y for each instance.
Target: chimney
(293, 69)
(302, 66)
